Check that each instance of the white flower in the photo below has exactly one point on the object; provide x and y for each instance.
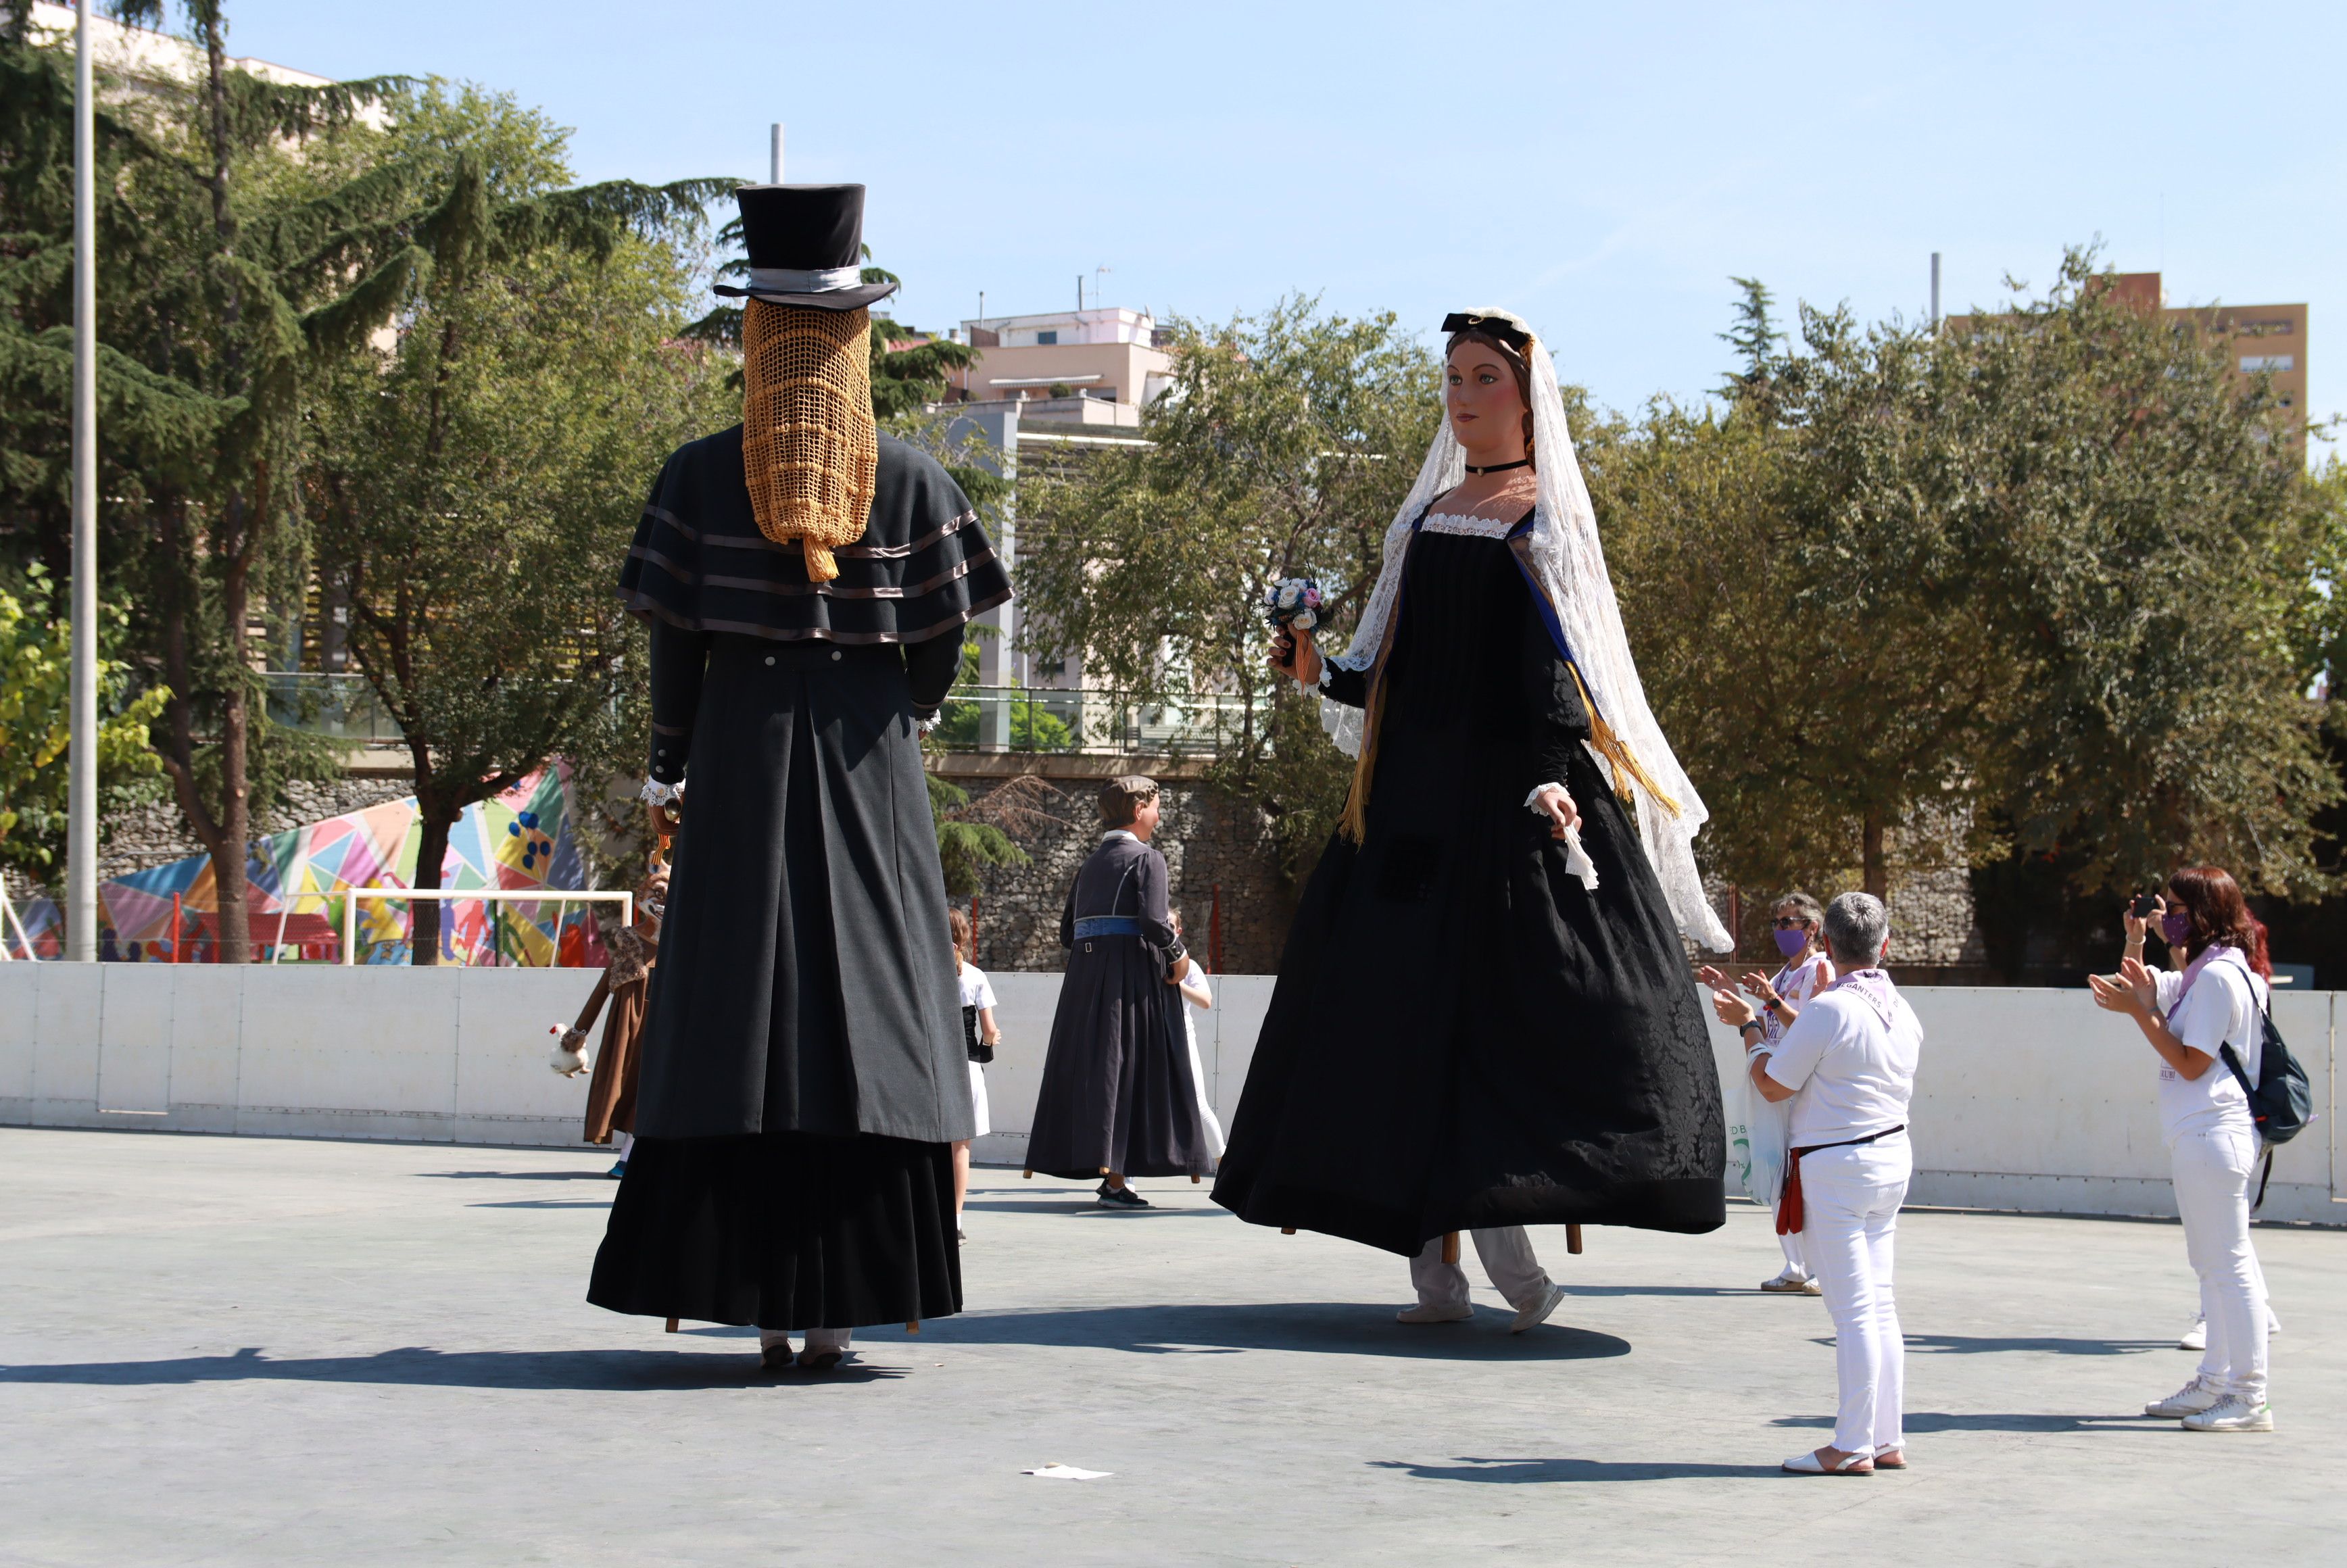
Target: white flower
(1289, 592)
(1305, 620)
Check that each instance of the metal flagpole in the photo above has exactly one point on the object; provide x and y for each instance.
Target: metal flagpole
(774, 163)
(81, 783)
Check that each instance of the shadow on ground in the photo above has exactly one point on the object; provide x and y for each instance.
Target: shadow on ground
(1533, 1471)
(516, 1176)
(1339, 1329)
(1929, 1421)
(1989, 1345)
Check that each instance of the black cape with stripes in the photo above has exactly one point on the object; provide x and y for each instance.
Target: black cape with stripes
(922, 569)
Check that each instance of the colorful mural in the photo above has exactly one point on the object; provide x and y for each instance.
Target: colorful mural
(520, 840)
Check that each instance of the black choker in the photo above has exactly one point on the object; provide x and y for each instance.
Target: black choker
(1500, 467)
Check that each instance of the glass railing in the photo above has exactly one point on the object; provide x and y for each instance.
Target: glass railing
(341, 706)
(1040, 719)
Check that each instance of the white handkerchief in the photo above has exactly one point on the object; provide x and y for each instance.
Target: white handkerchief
(1068, 1472)
(1577, 861)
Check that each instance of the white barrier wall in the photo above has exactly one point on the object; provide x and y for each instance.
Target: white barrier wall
(2027, 1098)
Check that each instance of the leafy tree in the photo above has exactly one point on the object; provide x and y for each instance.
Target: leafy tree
(473, 489)
(2035, 595)
(1282, 449)
(35, 718)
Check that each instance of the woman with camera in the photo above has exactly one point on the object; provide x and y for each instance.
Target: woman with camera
(2217, 999)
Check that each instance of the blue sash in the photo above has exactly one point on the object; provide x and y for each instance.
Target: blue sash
(1108, 925)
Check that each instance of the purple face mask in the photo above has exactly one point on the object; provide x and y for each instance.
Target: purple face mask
(2177, 926)
(1792, 943)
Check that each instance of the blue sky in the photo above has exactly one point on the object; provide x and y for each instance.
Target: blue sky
(1602, 169)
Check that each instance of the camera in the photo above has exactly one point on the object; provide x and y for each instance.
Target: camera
(2141, 908)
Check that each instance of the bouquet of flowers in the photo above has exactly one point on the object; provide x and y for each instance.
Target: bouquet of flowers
(1292, 603)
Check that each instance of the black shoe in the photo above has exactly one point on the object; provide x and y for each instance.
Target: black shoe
(821, 1360)
(1120, 1197)
(776, 1358)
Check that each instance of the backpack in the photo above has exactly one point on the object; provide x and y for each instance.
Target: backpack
(2280, 1102)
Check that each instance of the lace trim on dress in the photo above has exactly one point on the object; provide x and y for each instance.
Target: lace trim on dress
(1474, 528)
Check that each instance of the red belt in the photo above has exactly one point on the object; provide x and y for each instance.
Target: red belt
(1790, 1215)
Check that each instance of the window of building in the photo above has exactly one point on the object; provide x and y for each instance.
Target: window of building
(2253, 362)
(1045, 339)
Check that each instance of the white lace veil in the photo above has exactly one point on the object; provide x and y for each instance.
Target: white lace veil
(1569, 564)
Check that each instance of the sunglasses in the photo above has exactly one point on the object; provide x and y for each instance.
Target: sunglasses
(1792, 922)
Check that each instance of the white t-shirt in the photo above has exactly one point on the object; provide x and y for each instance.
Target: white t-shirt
(976, 991)
(2221, 1007)
(1796, 983)
(1855, 1074)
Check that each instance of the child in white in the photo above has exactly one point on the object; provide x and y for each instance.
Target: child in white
(980, 1035)
(1765, 1131)
(1198, 996)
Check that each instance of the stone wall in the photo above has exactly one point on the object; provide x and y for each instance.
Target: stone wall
(155, 833)
(1209, 842)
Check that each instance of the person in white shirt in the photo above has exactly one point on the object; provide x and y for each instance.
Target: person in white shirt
(1764, 1130)
(2189, 1018)
(1848, 1067)
(979, 1037)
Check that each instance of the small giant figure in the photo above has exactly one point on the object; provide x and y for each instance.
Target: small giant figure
(1119, 1097)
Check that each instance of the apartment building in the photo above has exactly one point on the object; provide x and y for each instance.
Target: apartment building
(1096, 367)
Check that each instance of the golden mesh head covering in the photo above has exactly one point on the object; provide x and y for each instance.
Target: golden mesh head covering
(810, 449)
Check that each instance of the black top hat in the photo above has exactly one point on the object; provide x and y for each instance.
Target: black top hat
(806, 247)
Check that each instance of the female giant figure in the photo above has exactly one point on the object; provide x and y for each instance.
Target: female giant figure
(1519, 826)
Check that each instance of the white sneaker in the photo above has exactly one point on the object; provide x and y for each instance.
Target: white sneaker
(1435, 1312)
(2188, 1400)
(1791, 1284)
(1533, 1315)
(2196, 1336)
(2232, 1414)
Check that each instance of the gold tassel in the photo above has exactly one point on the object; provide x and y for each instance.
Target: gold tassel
(1627, 767)
(822, 566)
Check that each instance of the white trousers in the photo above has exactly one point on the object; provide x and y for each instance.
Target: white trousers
(625, 1140)
(1797, 1257)
(1850, 1202)
(817, 1340)
(1507, 1255)
(2215, 1173)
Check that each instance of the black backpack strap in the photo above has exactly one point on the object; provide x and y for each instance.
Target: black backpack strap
(2260, 1201)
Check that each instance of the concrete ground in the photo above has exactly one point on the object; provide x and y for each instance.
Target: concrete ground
(221, 1350)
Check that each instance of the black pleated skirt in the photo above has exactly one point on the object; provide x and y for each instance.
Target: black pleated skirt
(783, 1230)
(1117, 1095)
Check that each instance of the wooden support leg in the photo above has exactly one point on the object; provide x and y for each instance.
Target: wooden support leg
(1572, 1240)
(1194, 1178)
(1450, 1248)
(913, 1328)
(1287, 1230)
(672, 1325)
(1028, 1174)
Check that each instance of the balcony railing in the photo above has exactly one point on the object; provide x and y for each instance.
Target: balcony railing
(1040, 719)
(341, 706)
(974, 718)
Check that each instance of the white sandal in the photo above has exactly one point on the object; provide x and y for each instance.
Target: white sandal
(1809, 1464)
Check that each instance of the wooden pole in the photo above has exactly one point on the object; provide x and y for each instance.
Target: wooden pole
(672, 1325)
(1450, 1248)
(1572, 1240)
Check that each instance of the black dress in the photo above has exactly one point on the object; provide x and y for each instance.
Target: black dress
(804, 1069)
(1117, 1092)
(1463, 1035)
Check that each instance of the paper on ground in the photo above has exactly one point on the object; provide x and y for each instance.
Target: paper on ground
(1067, 1472)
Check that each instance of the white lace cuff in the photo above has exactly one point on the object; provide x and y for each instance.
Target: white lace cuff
(655, 793)
(931, 722)
(1532, 801)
